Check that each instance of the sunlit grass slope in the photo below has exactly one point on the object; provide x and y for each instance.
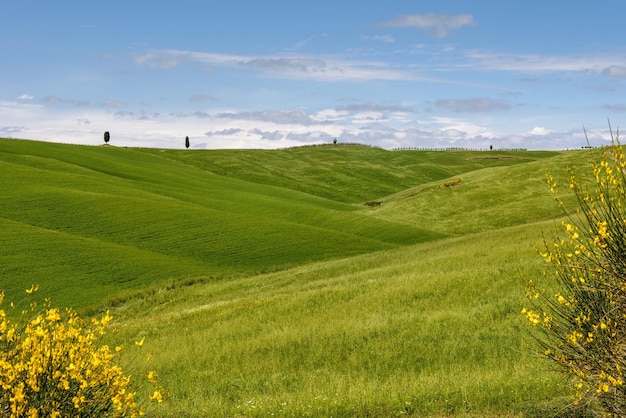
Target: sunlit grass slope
(87, 222)
(266, 287)
(430, 329)
(120, 219)
(485, 199)
(352, 174)
(425, 330)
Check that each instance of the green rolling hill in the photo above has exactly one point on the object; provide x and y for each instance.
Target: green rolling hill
(317, 281)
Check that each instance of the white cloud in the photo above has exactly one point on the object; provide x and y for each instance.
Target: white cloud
(439, 25)
(25, 97)
(612, 65)
(367, 117)
(295, 116)
(615, 71)
(334, 68)
(330, 115)
(473, 105)
(114, 104)
(369, 123)
(10, 131)
(539, 130)
(18, 111)
(292, 66)
(374, 107)
(468, 129)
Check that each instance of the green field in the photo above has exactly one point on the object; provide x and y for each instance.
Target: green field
(316, 281)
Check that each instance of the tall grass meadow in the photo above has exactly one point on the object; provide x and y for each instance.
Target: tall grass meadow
(330, 281)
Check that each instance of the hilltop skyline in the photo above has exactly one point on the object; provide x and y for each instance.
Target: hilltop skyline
(275, 74)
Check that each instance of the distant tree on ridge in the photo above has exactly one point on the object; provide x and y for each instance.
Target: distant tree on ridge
(107, 137)
(187, 142)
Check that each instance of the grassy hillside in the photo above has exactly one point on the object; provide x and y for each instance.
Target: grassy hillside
(120, 219)
(426, 330)
(351, 174)
(485, 199)
(266, 287)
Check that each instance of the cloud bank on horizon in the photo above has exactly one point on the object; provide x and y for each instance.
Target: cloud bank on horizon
(249, 75)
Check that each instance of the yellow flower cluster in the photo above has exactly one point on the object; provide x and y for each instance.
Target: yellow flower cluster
(578, 311)
(533, 317)
(52, 364)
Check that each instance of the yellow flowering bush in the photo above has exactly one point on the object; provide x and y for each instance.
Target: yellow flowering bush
(54, 364)
(578, 308)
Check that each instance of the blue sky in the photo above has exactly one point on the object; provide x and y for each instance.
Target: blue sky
(272, 74)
